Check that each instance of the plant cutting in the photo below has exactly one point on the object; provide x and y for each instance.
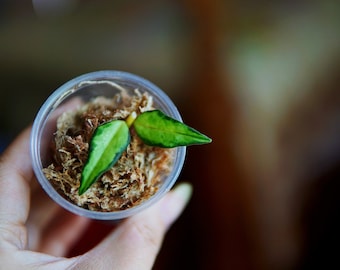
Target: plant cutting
(112, 138)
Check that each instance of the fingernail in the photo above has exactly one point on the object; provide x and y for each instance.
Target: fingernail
(184, 191)
(175, 203)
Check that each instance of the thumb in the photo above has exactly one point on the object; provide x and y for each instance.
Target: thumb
(137, 240)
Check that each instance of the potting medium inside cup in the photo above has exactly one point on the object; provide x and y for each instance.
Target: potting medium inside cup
(79, 91)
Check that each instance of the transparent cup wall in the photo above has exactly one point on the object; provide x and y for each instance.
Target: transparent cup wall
(79, 91)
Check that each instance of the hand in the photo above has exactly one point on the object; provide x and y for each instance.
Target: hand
(37, 238)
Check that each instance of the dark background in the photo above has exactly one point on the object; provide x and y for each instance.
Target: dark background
(261, 78)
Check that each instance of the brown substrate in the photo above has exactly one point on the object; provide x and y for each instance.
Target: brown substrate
(133, 179)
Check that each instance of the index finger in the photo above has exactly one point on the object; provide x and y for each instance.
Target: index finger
(15, 175)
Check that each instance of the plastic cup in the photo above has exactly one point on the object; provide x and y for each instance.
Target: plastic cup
(82, 89)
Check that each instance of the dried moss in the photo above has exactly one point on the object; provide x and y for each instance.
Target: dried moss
(133, 179)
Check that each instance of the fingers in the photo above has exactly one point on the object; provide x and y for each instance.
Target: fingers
(136, 242)
(62, 232)
(43, 209)
(15, 174)
(51, 229)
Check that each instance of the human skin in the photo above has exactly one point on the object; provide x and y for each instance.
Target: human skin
(35, 233)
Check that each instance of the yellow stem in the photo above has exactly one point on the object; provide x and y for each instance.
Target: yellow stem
(131, 118)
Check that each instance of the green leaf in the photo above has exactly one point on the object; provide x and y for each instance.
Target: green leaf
(157, 129)
(106, 147)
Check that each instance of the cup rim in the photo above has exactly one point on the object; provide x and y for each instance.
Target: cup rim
(59, 95)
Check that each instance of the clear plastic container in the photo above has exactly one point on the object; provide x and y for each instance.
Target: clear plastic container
(82, 89)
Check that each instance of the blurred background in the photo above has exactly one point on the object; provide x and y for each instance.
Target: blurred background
(261, 78)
